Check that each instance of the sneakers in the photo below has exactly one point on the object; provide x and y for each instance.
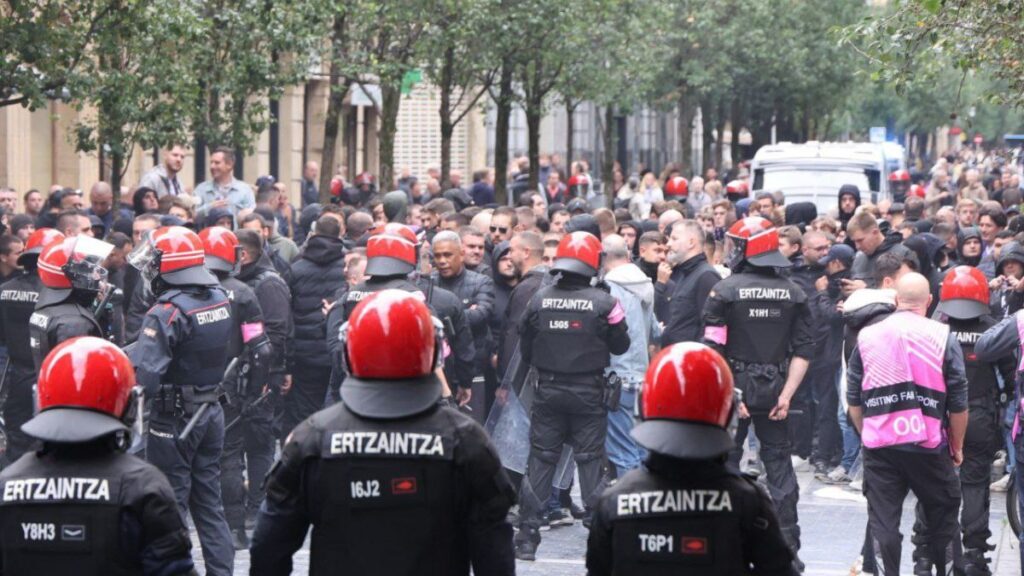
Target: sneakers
(857, 485)
(754, 467)
(557, 518)
(1001, 485)
(838, 475)
(800, 464)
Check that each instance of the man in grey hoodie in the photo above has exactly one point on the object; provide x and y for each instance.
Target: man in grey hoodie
(636, 295)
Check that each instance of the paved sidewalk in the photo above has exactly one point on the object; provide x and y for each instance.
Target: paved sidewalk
(832, 520)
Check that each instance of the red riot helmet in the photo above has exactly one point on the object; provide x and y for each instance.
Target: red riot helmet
(677, 186)
(86, 390)
(687, 403)
(74, 263)
(916, 190)
(579, 253)
(579, 185)
(899, 176)
(222, 250)
(392, 346)
(337, 186)
(364, 179)
(755, 240)
(391, 250)
(38, 240)
(737, 189)
(964, 294)
(174, 254)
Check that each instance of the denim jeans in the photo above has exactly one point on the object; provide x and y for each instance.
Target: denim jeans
(851, 441)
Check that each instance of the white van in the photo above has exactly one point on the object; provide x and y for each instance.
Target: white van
(814, 172)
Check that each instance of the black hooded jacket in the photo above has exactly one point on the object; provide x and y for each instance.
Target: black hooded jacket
(275, 300)
(317, 275)
(848, 190)
(864, 266)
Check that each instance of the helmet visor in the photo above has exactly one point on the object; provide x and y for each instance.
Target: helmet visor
(85, 265)
(144, 258)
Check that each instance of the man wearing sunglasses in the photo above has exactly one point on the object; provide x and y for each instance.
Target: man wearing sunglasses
(502, 223)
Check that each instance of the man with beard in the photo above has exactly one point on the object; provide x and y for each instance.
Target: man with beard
(849, 200)
(683, 296)
(506, 277)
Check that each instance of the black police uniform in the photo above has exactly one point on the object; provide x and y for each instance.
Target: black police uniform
(766, 322)
(18, 298)
(260, 433)
(568, 333)
(445, 305)
(179, 359)
(691, 517)
(89, 509)
(424, 495)
(250, 345)
(58, 316)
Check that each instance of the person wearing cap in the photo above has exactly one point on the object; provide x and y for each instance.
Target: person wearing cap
(391, 482)
(80, 505)
(964, 306)
(760, 321)
(73, 277)
(248, 343)
(1007, 288)
(180, 359)
(907, 396)
(18, 298)
(392, 255)
(686, 511)
(568, 333)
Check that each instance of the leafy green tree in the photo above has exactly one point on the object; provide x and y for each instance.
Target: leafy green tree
(45, 46)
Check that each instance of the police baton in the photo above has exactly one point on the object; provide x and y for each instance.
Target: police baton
(262, 398)
(204, 406)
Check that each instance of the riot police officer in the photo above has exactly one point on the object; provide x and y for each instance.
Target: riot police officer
(759, 320)
(180, 358)
(569, 331)
(18, 297)
(243, 385)
(964, 304)
(392, 254)
(73, 275)
(81, 505)
(685, 511)
(391, 482)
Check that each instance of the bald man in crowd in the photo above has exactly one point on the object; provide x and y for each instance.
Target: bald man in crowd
(907, 392)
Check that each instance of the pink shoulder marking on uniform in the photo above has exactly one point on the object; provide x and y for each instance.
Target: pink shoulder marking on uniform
(251, 330)
(617, 314)
(717, 334)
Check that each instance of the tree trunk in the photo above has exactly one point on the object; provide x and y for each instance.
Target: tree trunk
(570, 128)
(720, 142)
(391, 99)
(501, 129)
(707, 121)
(610, 136)
(116, 169)
(736, 121)
(533, 117)
(447, 128)
(335, 101)
(684, 127)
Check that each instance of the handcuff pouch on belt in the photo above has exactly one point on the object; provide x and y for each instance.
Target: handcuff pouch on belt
(760, 382)
(612, 391)
(182, 400)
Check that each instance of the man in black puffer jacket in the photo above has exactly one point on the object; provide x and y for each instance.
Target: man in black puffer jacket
(476, 292)
(317, 275)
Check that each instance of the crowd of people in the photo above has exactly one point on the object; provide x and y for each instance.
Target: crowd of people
(780, 289)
